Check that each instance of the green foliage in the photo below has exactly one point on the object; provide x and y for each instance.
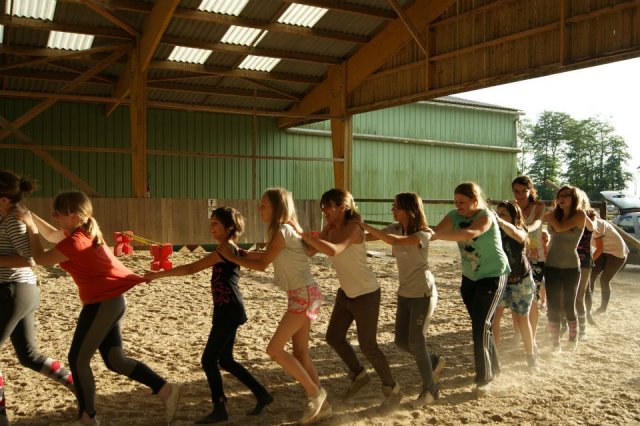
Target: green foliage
(584, 153)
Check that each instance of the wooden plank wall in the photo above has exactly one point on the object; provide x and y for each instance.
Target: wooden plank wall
(177, 221)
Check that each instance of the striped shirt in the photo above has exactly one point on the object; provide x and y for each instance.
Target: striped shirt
(14, 241)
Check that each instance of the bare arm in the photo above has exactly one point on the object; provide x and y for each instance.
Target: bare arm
(477, 228)
(518, 234)
(578, 220)
(599, 247)
(188, 269)
(48, 231)
(352, 234)
(400, 240)
(537, 220)
(15, 262)
(257, 261)
(40, 256)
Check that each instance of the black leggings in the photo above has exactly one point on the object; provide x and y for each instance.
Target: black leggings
(219, 350)
(99, 328)
(562, 289)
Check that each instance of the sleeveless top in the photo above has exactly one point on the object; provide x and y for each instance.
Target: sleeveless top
(225, 291)
(516, 253)
(584, 249)
(562, 248)
(535, 248)
(292, 267)
(354, 276)
(483, 256)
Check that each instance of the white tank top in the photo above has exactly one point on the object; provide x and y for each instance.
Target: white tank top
(291, 267)
(355, 277)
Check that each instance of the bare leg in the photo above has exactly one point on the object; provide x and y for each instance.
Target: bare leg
(525, 331)
(495, 325)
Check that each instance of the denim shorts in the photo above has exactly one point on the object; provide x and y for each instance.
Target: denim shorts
(519, 296)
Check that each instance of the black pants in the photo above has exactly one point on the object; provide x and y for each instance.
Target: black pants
(562, 289)
(219, 351)
(99, 329)
(481, 298)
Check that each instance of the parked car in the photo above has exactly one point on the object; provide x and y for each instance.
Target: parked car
(628, 220)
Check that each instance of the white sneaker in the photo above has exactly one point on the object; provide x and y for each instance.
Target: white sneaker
(314, 406)
(438, 367)
(325, 412)
(171, 403)
(357, 383)
(425, 398)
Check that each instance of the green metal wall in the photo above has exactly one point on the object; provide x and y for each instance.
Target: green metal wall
(380, 169)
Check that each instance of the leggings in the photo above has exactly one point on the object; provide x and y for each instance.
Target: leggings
(99, 329)
(18, 304)
(481, 298)
(411, 322)
(219, 350)
(606, 265)
(364, 311)
(585, 273)
(562, 288)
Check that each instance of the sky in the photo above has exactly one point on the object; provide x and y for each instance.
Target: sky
(608, 92)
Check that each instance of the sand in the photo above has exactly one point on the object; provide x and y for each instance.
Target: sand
(168, 321)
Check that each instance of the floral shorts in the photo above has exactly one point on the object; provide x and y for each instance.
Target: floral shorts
(519, 296)
(305, 300)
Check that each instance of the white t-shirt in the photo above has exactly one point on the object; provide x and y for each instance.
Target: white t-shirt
(416, 280)
(292, 268)
(355, 277)
(612, 242)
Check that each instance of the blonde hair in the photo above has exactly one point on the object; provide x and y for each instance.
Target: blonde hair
(283, 209)
(76, 202)
(412, 204)
(341, 197)
(473, 191)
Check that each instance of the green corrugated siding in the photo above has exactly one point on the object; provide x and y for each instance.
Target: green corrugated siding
(380, 169)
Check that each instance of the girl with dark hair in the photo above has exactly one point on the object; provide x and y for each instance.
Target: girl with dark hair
(519, 292)
(485, 269)
(562, 270)
(102, 281)
(228, 314)
(292, 273)
(526, 196)
(417, 292)
(19, 291)
(358, 298)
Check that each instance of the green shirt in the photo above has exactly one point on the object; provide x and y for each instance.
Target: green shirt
(483, 256)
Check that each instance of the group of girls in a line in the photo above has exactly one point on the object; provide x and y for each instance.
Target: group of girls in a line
(495, 269)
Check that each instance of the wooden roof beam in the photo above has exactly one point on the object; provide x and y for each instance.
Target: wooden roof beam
(217, 18)
(154, 27)
(48, 158)
(44, 105)
(372, 56)
(49, 55)
(101, 9)
(410, 27)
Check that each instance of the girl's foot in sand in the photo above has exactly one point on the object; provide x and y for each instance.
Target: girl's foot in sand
(261, 402)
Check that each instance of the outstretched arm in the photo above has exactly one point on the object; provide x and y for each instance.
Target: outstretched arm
(399, 240)
(352, 235)
(257, 261)
(48, 231)
(477, 228)
(188, 269)
(518, 234)
(40, 255)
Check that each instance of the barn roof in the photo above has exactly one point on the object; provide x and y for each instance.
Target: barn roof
(208, 56)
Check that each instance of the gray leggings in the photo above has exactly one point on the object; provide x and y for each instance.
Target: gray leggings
(364, 311)
(18, 304)
(411, 321)
(99, 329)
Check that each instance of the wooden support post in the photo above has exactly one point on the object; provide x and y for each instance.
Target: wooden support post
(341, 127)
(138, 114)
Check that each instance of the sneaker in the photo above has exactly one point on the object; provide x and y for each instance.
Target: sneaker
(600, 310)
(314, 405)
(482, 389)
(438, 366)
(392, 396)
(325, 412)
(582, 336)
(357, 383)
(590, 320)
(219, 414)
(425, 398)
(171, 403)
(261, 402)
(556, 349)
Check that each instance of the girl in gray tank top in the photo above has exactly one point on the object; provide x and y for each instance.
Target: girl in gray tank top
(562, 270)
